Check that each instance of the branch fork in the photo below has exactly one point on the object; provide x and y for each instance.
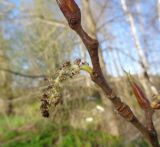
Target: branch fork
(72, 13)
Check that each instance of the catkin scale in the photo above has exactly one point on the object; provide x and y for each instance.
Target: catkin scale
(52, 93)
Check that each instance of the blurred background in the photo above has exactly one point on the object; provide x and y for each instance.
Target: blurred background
(35, 40)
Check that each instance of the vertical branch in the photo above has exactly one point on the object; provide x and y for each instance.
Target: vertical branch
(73, 15)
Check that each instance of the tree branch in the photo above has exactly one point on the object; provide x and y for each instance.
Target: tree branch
(22, 74)
(73, 15)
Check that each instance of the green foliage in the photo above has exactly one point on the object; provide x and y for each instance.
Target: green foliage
(49, 134)
(89, 138)
(140, 143)
(11, 122)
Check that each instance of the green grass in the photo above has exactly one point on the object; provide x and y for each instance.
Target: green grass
(45, 134)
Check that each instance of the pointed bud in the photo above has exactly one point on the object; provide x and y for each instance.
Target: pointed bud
(71, 11)
(155, 104)
(139, 94)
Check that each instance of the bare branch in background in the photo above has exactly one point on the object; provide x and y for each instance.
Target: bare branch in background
(22, 74)
(144, 63)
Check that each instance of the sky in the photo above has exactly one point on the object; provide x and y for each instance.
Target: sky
(121, 33)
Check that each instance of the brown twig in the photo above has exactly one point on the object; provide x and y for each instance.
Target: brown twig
(73, 15)
(22, 74)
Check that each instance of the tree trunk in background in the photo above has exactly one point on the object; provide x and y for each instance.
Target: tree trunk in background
(6, 81)
(82, 52)
(10, 109)
(158, 9)
(142, 30)
(91, 29)
(143, 62)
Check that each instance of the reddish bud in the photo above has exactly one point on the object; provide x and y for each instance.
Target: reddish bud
(139, 94)
(71, 11)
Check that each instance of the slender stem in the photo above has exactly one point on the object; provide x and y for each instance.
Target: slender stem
(22, 74)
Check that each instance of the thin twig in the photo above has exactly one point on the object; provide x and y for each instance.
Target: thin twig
(22, 74)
